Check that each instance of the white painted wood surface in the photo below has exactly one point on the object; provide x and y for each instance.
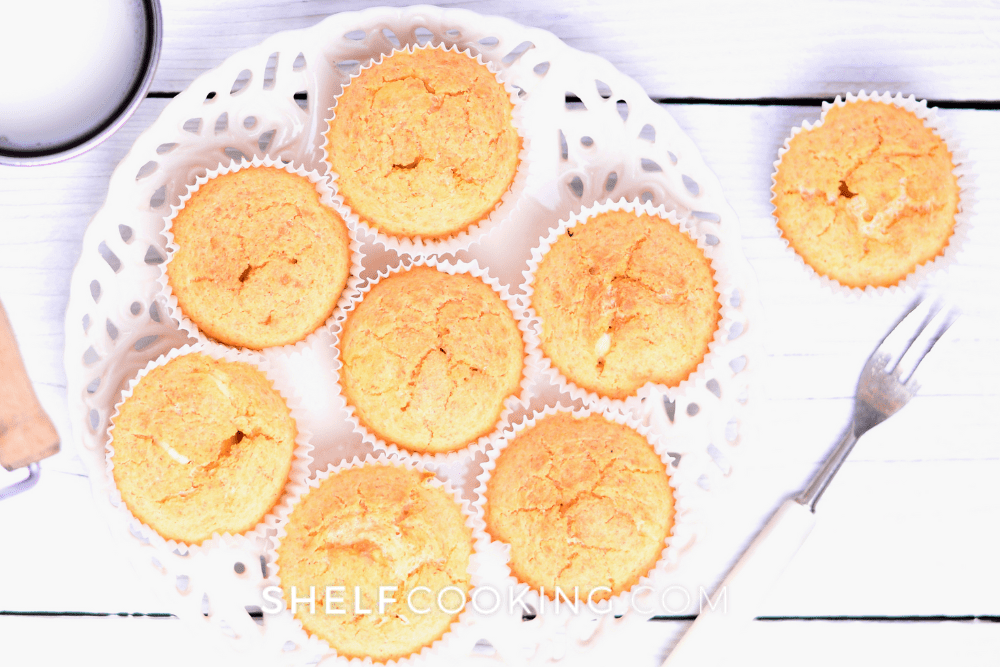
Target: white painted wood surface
(911, 526)
(936, 49)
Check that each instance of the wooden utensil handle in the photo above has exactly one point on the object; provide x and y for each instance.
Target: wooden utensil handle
(26, 432)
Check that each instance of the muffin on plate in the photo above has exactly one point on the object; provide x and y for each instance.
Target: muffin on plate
(429, 359)
(375, 526)
(866, 195)
(202, 446)
(583, 502)
(624, 298)
(261, 261)
(423, 143)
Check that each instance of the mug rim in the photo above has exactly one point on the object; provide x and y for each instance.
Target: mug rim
(130, 102)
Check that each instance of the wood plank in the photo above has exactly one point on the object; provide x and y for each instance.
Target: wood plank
(776, 48)
(812, 336)
(166, 642)
(836, 644)
(55, 528)
(119, 641)
(893, 538)
(805, 429)
(44, 211)
(909, 526)
(807, 331)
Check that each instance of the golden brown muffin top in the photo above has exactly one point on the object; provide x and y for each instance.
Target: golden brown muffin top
(202, 446)
(429, 359)
(261, 261)
(868, 195)
(582, 502)
(625, 299)
(375, 526)
(423, 143)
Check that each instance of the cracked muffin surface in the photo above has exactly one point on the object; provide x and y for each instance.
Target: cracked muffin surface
(582, 501)
(369, 527)
(202, 446)
(423, 143)
(868, 195)
(261, 261)
(428, 359)
(625, 299)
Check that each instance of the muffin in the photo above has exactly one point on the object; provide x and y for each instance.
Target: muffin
(202, 446)
(260, 260)
(583, 502)
(625, 298)
(428, 359)
(369, 527)
(867, 195)
(423, 143)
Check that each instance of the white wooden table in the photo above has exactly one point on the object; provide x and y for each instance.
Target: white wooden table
(902, 567)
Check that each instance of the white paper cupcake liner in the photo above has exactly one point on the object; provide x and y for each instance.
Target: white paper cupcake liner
(460, 626)
(327, 197)
(529, 373)
(297, 475)
(708, 366)
(504, 209)
(187, 139)
(964, 170)
(496, 555)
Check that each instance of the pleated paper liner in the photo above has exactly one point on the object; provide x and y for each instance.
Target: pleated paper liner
(475, 232)
(656, 581)
(327, 198)
(964, 170)
(711, 364)
(529, 373)
(297, 475)
(461, 630)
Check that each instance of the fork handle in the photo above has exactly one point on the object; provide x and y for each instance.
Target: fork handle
(716, 630)
(812, 493)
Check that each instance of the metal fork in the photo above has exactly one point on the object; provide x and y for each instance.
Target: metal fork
(886, 384)
(883, 388)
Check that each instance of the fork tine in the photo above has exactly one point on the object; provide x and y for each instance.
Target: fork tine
(904, 332)
(936, 326)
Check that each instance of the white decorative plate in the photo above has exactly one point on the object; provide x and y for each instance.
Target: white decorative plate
(272, 100)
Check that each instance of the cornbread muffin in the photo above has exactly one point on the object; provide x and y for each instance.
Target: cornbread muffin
(423, 143)
(582, 502)
(625, 299)
(429, 359)
(261, 261)
(202, 446)
(868, 195)
(369, 527)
